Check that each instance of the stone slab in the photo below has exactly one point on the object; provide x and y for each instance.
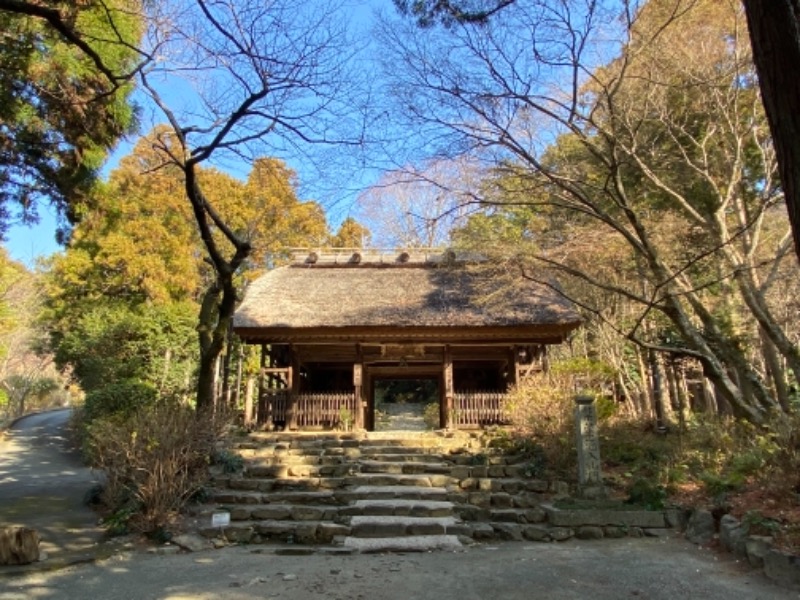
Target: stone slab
(388, 526)
(604, 517)
(400, 491)
(420, 543)
(192, 542)
(783, 568)
(404, 507)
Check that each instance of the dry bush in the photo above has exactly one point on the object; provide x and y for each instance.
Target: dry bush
(154, 461)
(540, 410)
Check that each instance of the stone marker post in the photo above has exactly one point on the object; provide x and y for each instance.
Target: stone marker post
(590, 476)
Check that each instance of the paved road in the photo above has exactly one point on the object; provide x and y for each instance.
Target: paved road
(635, 569)
(43, 482)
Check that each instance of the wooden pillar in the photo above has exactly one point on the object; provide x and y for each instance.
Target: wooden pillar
(449, 421)
(513, 367)
(358, 382)
(293, 384)
(248, 403)
(261, 410)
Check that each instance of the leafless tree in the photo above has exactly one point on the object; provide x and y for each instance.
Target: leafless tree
(595, 112)
(236, 80)
(418, 208)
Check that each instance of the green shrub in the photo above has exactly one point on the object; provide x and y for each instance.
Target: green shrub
(755, 523)
(120, 399)
(430, 415)
(718, 485)
(647, 494)
(346, 418)
(229, 461)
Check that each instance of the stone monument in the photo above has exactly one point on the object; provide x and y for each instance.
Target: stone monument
(590, 476)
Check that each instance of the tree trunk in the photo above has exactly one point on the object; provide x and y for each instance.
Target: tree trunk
(775, 37)
(713, 368)
(767, 325)
(167, 364)
(776, 373)
(226, 367)
(644, 391)
(658, 392)
(216, 313)
(238, 388)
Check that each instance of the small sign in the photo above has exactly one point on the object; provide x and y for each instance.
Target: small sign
(220, 519)
(357, 375)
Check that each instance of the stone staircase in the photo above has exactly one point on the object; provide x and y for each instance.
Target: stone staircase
(378, 491)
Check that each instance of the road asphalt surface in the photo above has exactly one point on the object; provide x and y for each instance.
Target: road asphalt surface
(645, 568)
(42, 484)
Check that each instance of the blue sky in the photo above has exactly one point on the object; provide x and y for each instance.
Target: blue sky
(28, 243)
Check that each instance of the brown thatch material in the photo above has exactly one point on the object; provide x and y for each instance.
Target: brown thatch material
(418, 296)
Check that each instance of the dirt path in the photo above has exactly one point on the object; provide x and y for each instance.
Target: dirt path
(647, 568)
(43, 483)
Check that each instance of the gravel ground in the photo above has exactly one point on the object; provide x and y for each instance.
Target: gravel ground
(646, 568)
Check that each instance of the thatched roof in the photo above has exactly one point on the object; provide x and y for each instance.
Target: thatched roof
(325, 298)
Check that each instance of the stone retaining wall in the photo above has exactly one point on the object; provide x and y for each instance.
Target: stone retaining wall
(781, 567)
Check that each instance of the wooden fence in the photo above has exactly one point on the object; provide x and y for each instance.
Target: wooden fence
(479, 409)
(324, 410)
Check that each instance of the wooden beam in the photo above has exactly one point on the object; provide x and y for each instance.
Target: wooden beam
(294, 385)
(358, 387)
(261, 403)
(447, 372)
(513, 366)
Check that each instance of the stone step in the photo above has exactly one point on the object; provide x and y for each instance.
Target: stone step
(321, 497)
(389, 479)
(372, 526)
(297, 440)
(300, 470)
(407, 468)
(373, 449)
(283, 512)
(335, 512)
(417, 543)
(300, 532)
(362, 479)
(304, 484)
(407, 457)
(401, 507)
(259, 457)
(235, 497)
(401, 492)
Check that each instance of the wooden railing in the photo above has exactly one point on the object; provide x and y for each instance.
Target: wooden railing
(478, 409)
(325, 409)
(275, 404)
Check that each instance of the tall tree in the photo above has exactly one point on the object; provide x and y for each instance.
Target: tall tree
(664, 139)
(121, 299)
(274, 77)
(774, 27)
(351, 234)
(418, 207)
(65, 84)
(25, 373)
(775, 36)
